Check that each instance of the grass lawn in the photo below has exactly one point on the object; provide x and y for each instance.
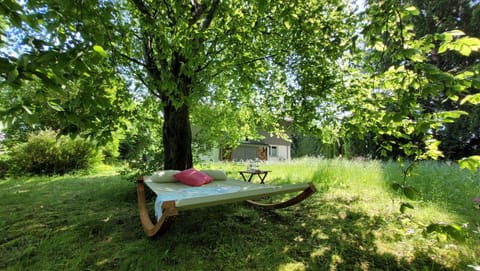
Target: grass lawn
(352, 223)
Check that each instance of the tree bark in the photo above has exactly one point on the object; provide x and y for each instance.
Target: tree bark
(177, 132)
(177, 137)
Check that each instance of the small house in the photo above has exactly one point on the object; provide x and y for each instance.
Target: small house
(271, 148)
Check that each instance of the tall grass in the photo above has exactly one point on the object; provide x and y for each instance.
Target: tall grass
(352, 223)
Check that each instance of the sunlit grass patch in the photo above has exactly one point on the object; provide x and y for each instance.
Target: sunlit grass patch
(352, 223)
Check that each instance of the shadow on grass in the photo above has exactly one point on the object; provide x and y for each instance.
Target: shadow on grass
(93, 224)
(58, 224)
(317, 235)
(442, 185)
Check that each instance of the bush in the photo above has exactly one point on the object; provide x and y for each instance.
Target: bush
(3, 165)
(43, 153)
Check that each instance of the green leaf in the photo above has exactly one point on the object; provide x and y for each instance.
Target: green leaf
(451, 230)
(404, 206)
(476, 82)
(455, 33)
(55, 106)
(411, 193)
(473, 99)
(472, 44)
(414, 55)
(455, 231)
(12, 75)
(464, 50)
(27, 110)
(379, 46)
(432, 150)
(413, 10)
(451, 116)
(99, 50)
(396, 186)
(471, 163)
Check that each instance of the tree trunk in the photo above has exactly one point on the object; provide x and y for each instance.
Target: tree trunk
(177, 132)
(177, 137)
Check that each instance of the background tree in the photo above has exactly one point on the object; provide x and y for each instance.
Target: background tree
(387, 86)
(459, 138)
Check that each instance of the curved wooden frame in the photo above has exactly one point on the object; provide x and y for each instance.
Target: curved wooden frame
(170, 211)
(301, 197)
(168, 208)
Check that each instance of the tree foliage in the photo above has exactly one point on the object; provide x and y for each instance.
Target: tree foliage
(245, 64)
(391, 84)
(232, 68)
(53, 76)
(459, 138)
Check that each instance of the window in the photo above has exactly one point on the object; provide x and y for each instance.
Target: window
(273, 151)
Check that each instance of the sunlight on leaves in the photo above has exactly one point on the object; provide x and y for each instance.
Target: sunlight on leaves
(99, 49)
(471, 163)
(474, 267)
(379, 46)
(473, 99)
(404, 206)
(450, 230)
(451, 116)
(27, 110)
(55, 106)
(413, 10)
(292, 267)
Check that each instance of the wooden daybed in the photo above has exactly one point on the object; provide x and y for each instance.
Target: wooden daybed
(242, 191)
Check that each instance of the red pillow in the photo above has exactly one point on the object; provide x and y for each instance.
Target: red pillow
(193, 177)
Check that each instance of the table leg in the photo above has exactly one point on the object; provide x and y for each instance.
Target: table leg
(262, 179)
(243, 176)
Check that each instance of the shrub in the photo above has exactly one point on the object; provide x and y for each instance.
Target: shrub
(43, 153)
(75, 154)
(3, 165)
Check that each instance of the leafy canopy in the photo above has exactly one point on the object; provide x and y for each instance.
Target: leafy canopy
(245, 64)
(234, 67)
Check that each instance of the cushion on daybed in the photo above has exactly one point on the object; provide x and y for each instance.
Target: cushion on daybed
(164, 176)
(193, 177)
(217, 175)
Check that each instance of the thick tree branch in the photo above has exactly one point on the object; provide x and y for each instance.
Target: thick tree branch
(203, 67)
(134, 60)
(198, 10)
(210, 15)
(142, 79)
(250, 61)
(150, 65)
(143, 8)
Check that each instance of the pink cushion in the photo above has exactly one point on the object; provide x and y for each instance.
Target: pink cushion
(193, 177)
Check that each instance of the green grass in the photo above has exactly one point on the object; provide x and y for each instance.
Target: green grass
(352, 223)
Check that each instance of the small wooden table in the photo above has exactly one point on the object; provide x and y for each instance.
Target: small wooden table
(247, 175)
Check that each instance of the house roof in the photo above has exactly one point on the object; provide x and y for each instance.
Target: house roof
(254, 143)
(274, 140)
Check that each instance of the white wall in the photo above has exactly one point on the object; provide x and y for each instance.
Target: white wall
(210, 156)
(283, 153)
